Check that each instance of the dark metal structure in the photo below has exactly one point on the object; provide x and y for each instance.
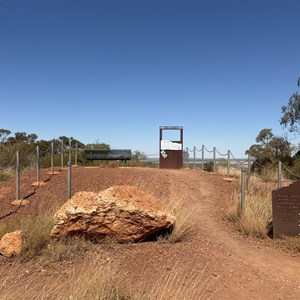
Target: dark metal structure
(116, 154)
(286, 210)
(171, 152)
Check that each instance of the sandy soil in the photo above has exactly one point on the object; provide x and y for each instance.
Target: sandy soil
(215, 262)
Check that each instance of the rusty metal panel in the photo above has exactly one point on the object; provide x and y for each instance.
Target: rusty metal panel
(171, 152)
(286, 210)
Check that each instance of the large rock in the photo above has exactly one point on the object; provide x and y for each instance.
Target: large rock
(12, 243)
(124, 213)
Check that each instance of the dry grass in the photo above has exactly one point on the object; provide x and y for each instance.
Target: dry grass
(36, 231)
(179, 282)
(233, 172)
(256, 216)
(99, 281)
(184, 224)
(94, 279)
(6, 174)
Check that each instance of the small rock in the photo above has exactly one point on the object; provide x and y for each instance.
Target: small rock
(12, 243)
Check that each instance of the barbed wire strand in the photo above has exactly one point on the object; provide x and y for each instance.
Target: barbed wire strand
(45, 151)
(289, 171)
(258, 164)
(34, 151)
(7, 166)
(262, 179)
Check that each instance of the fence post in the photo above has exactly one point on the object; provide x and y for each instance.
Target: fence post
(69, 180)
(228, 163)
(62, 153)
(187, 157)
(52, 157)
(202, 160)
(243, 190)
(194, 157)
(17, 175)
(76, 153)
(70, 153)
(37, 163)
(214, 170)
(279, 175)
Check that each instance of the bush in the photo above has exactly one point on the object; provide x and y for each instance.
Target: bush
(208, 166)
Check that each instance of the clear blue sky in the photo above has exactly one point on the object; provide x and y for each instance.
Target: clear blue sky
(115, 71)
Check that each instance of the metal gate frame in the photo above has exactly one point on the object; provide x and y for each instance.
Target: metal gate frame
(170, 158)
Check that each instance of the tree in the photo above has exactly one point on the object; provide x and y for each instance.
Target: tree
(138, 156)
(4, 133)
(270, 149)
(22, 137)
(291, 112)
(264, 136)
(98, 145)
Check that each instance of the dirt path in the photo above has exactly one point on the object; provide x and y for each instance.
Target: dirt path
(215, 262)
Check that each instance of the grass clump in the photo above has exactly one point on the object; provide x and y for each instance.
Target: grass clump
(6, 174)
(184, 224)
(99, 280)
(257, 215)
(36, 231)
(179, 282)
(100, 283)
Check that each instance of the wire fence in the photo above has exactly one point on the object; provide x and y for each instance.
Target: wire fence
(210, 159)
(34, 159)
(246, 167)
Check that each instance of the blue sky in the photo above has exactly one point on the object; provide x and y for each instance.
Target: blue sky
(114, 71)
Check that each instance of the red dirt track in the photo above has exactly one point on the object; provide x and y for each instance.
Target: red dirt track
(231, 266)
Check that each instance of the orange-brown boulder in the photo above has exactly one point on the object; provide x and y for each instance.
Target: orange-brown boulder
(123, 213)
(12, 243)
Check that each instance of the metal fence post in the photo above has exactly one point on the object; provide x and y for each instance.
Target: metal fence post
(243, 190)
(279, 175)
(187, 157)
(70, 147)
(62, 153)
(76, 154)
(214, 169)
(52, 157)
(17, 175)
(228, 163)
(194, 157)
(249, 164)
(37, 163)
(69, 180)
(202, 159)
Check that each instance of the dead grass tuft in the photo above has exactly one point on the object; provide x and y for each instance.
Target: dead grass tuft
(184, 223)
(179, 282)
(256, 217)
(95, 278)
(6, 174)
(100, 282)
(36, 231)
